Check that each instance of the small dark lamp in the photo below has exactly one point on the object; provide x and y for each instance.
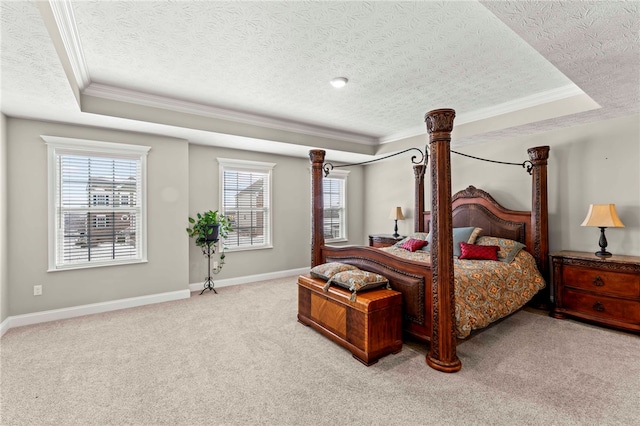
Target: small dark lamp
(396, 214)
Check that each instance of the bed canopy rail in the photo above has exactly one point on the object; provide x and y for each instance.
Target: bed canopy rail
(424, 159)
(536, 166)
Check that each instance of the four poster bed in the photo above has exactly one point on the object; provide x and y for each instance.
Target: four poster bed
(428, 293)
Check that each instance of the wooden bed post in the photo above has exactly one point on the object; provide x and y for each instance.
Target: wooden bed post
(540, 219)
(316, 156)
(442, 351)
(418, 174)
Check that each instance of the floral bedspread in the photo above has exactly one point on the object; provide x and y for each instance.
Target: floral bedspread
(486, 290)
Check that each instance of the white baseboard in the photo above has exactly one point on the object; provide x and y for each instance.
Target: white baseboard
(4, 326)
(251, 278)
(114, 305)
(93, 308)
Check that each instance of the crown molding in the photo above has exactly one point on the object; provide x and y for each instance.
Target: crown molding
(66, 23)
(530, 101)
(534, 100)
(119, 94)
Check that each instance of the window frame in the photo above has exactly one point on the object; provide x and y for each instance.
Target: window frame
(56, 145)
(247, 166)
(343, 176)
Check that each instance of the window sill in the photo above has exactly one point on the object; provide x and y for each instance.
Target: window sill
(237, 249)
(337, 240)
(94, 265)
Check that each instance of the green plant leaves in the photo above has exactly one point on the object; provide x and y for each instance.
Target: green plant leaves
(201, 226)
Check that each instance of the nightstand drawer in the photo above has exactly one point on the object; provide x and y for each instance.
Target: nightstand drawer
(601, 290)
(383, 240)
(616, 283)
(601, 306)
(378, 244)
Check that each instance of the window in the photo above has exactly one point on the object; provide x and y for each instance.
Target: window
(335, 207)
(100, 221)
(97, 203)
(246, 200)
(100, 199)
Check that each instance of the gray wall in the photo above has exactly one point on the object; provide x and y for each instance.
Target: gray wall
(182, 180)
(595, 163)
(390, 183)
(4, 275)
(291, 212)
(167, 202)
(589, 164)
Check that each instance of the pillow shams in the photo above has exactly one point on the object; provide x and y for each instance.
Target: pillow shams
(359, 280)
(509, 249)
(327, 270)
(478, 252)
(414, 236)
(467, 235)
(413, 245)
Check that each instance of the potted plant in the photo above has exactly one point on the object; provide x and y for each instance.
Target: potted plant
(208, 227)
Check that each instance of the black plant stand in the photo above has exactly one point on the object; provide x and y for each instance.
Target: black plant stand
(209, 248)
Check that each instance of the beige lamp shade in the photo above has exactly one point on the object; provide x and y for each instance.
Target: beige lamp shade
(603, 215)
(396, 214)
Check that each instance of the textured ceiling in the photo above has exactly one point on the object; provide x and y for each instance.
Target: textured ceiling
(269, 63)
(276, 58)
(594, 43)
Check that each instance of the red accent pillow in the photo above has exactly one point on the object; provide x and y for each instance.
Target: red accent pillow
(413, 245)
(473, 251)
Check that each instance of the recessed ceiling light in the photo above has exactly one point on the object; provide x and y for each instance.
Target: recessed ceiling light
(339, 82)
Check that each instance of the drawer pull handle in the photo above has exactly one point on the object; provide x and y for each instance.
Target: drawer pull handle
(598, 307)
(598, 282)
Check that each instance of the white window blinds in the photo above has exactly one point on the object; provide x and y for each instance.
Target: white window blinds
(97, 211)
(335, 211)
(246, 201)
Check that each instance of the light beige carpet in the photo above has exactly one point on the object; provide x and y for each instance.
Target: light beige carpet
(240, 357)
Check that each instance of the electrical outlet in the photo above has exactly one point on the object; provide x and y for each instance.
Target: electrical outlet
(37, 290)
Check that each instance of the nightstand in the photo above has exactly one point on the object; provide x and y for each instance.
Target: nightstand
(383, 240)
(605, 291)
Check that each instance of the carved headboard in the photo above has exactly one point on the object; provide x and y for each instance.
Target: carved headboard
(475, 207)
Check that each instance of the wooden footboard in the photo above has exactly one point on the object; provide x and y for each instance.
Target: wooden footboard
(412, 279)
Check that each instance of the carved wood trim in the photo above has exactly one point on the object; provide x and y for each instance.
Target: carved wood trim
(609, 266)
(540, 218)
(418, 174)
(557, 293)
(473, 192)
(442, 352)
(316, 157)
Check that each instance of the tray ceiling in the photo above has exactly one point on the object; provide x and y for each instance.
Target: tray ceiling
(255, 75)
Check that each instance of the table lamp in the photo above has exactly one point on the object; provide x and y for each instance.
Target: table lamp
(396, 215)
(603, 216)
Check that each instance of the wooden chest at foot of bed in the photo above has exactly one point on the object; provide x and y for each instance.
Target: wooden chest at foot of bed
(370, 327)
